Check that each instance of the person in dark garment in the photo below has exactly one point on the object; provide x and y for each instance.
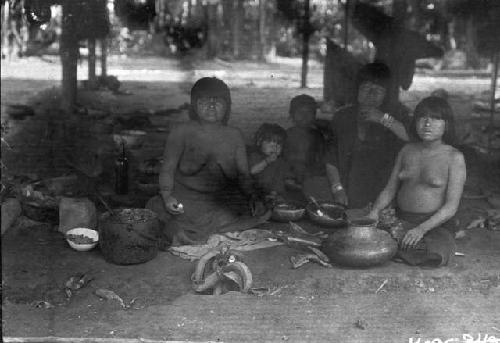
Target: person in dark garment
(427, 182)
(369, 137)
(204, 177)
(312, 163)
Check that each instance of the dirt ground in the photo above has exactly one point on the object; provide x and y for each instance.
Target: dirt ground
(311, 303)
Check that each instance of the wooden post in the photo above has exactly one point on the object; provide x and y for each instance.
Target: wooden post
(69, 57)
(346, 24)
(305, 45)
(104, 57)
(212, 29)
(237, 23)
(494, 77)
(262, 29)
(91, 64)
(5, 27)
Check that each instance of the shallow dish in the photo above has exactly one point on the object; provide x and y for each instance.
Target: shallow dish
(131, 138)
(334, 215)
(287, 212)
(84, 233)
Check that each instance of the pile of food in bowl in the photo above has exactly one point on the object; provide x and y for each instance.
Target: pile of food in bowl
(82, 239)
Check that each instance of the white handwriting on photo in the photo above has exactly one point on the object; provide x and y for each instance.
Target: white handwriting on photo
(465, 338)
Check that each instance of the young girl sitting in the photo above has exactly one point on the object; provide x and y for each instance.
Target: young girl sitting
(267, 166)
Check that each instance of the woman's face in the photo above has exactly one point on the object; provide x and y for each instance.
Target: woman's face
(270, 147)
(211, 109)
(430, 128)
(371, 94)
(303, 115)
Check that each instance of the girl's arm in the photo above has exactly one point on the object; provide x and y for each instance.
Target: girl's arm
(389, 192)
(259, 166)
(456, 179)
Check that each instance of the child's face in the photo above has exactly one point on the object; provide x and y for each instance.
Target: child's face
(303, 115)
(211, 109)
(371, 94)
(270, 147)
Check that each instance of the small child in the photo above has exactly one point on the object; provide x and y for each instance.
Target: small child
(311, 161)
(266, 163)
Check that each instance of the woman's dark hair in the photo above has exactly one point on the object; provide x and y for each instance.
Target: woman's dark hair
(435, 107)
(270, 132)
(210, 87)
(376, 72)
(302, 100)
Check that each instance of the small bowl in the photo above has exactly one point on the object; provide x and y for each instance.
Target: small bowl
(334, 214)
(89, 233)
(287, 212)
(131, 138)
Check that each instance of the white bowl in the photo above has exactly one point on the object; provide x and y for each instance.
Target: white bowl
(93, 234)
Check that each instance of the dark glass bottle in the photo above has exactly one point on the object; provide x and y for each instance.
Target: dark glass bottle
(121, 173)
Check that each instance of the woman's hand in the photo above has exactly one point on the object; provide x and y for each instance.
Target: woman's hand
(340, 197)
(173, 206)
(374, 215)
(412, 237)
(372, 115)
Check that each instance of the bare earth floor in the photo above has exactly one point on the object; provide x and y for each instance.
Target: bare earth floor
(312, 303)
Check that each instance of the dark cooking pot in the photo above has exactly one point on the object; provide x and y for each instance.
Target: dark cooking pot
(332, 214)
(360, 245)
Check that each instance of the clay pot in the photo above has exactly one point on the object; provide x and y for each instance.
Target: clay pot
(360, 245)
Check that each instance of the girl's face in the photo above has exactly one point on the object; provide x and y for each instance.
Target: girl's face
(430, 128)
(270, 147)
(371, 94)
(211, 109)
(303, 115)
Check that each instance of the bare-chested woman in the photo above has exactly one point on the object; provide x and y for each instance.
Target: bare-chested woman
(427, 181)
(205, 170)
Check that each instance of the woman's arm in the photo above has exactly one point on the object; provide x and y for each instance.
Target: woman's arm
(388, 121)
(171, 155)
(456, 179)
(241, 161)
(398, 129)
(389, 192)
(338, 192)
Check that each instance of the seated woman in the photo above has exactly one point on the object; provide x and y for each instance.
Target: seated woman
(427, 182)
(205, 170)
(369, 135)
(312, 164)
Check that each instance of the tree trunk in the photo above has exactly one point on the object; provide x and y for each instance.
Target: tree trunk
(212, 29)
(91, 64)
(470, 43)
(236, 27)
(5, 27)
(104, 57)
(262, 30)
(69, 57)
(305, 44)
(494, 76)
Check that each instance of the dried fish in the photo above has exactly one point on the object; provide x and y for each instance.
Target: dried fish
(76, 282)
(110, 295)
